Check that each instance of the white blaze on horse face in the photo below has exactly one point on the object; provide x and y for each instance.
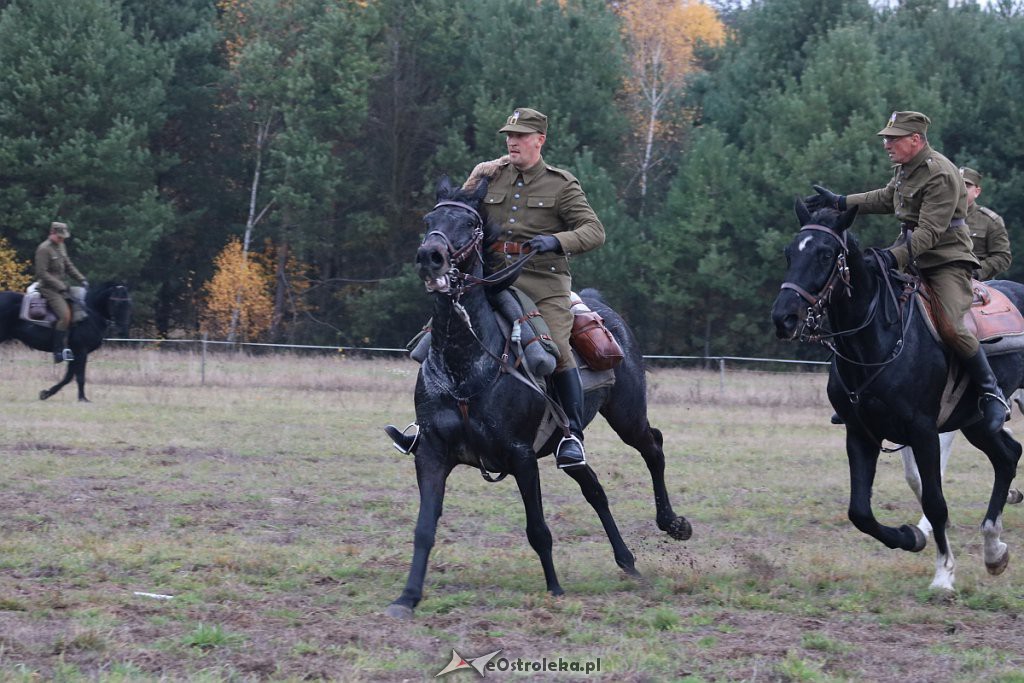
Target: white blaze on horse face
(803, 242)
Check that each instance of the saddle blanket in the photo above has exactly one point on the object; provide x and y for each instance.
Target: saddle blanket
(35, 310)
(592, 381)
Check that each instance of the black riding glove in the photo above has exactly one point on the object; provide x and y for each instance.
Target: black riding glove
(889, 259)
(825, 197)
(544, 243)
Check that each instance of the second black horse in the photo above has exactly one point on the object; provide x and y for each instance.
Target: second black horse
(472, 411)
(107, 304)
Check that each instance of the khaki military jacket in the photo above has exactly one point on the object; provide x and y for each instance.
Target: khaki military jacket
(929, 191)
(991, 242)
(52, 266)
(543, 200)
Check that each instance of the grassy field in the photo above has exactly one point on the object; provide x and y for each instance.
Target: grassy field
(268, 503)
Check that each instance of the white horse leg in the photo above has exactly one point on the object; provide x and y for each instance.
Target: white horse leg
(914, 478)
(997, 555)
(945, 569)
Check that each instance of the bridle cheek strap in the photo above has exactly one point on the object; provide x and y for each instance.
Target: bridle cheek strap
(840, 272)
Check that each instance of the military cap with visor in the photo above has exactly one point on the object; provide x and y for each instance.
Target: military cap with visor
(524, 120)
(970, 176)
(902, 123)
(60, 229)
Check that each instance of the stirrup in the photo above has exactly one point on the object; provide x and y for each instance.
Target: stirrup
(573, 463)
(67, 355)
(997, 397)
(403, 443)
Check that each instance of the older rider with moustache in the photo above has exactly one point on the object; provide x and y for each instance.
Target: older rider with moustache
(928, 196)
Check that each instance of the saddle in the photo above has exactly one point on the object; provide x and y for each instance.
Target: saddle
(36, 310)
(992, 318)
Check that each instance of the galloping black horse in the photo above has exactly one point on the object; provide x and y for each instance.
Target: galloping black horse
(887, 379)
(106, 304)
(471, 411)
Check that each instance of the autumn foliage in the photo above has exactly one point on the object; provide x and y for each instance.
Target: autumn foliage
(13, 274)
(661, 36)
(242, 283)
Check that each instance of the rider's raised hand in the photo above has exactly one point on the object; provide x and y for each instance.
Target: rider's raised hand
(824, 197)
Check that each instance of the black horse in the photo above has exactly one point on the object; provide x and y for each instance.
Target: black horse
(887, 379)
(472, 411)
(107, 304)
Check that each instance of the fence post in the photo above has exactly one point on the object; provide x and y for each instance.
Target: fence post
(202, 365)
(721, 374)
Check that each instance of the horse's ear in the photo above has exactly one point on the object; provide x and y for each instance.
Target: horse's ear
(481, 191)
(802, 214)
(846, 219)
(445, 189)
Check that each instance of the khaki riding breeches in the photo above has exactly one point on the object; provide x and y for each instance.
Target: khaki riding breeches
(951, 286)
(557, 315)
(60, 308)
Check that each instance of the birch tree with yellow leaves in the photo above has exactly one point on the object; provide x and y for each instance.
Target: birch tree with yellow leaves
(660, 36)
(237, 300)
(13, 273)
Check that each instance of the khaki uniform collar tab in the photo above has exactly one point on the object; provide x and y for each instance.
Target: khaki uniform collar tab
(534, 171)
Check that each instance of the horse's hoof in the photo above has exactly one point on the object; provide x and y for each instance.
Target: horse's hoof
(43, 395)
(999, 566)
(84, 400)
(557, 591)
(920, 540)
(1014, 497)
(680, 529)
(633, 572)
(398, 612)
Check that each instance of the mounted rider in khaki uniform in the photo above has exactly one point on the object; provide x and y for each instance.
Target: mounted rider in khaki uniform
(988, 232)
(541, 209)
(928, 196)
(52, 266)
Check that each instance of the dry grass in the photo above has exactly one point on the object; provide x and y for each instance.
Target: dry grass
(269, 504)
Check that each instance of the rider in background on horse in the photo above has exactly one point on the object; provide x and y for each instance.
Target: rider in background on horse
(988, 232)
(52, 267)
(928, 196)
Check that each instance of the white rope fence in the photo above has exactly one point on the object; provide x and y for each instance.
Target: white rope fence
(206, 343)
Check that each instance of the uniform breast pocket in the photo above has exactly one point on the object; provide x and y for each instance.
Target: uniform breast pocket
(909, 193)
(542, 215)
(494, 198)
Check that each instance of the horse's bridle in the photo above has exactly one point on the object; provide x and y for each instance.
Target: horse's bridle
(820, 301)
(454, 279)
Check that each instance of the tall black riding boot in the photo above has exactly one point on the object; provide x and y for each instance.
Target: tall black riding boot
(59, 346)
(569, 388)
(404, 442)
(992, 403)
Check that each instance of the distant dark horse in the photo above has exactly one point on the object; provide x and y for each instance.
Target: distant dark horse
(107, 304)
(472, 412)
(887, 379)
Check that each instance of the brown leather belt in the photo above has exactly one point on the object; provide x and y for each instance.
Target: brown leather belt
(514, 248)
